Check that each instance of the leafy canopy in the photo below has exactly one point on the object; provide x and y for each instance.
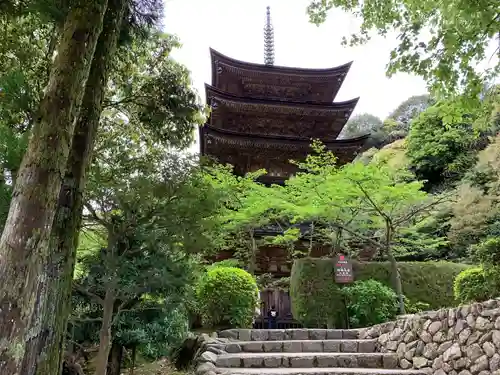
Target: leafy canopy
(441, 41)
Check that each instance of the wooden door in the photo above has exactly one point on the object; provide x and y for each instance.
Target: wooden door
(280, 299)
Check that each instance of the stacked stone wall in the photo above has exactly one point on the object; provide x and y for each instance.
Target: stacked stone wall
(458, 341)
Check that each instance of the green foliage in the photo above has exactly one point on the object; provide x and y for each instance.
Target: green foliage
(392, 155)
(397, 125)
(425, 282)
(153, 91)
(414, 307)
(231, 263)
(439, 152)
(440, 41)
(488, 251)
(471, 285)
(247, 206)
(316, 300)
(352, 201)
(369, 302)
(154, 328)
(227, 297)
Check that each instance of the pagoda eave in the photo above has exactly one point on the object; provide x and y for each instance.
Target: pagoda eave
(276, 82)
(260, 117)
(276, 69)
(220, 141)
(244, 104)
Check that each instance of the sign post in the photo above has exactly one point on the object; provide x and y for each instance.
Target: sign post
(343, 270)
(343, 275)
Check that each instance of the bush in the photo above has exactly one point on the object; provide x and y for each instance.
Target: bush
(488, 253)
(414, 307)
(227, 297)
(472, 285)
(370, 302)
(317, 300)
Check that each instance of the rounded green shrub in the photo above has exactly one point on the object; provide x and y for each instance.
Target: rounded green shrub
(472, 285)
(370, 302)
(488, 251)
(227, 297)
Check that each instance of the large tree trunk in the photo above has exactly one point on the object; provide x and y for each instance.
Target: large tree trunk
(67, 223)
(24, 245)
(105, 332)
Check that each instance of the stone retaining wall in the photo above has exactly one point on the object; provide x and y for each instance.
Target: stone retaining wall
(459, 341)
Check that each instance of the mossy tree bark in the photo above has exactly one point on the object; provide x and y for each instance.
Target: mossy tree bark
(67, 223)
(24, 245)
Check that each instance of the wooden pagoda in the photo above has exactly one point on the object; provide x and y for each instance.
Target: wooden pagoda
(264, 115)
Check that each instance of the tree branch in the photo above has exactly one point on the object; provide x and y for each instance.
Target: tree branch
(360, 236)
(374, 205)
(94, 215)
(88, 293)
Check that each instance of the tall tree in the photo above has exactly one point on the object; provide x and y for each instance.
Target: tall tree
(24, 245)
(66, 226)
(440, 41)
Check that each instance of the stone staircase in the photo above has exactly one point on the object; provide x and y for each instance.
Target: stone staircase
(302, 351)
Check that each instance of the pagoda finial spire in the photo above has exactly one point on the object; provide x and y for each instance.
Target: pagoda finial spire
(268, 39)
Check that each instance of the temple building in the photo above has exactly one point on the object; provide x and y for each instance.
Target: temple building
(263, 115)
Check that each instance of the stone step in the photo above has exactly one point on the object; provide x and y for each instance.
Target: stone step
(316, 371)
(299, 346)
(308, 360)
(289, 334)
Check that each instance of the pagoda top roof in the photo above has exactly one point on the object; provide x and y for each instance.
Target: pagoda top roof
(323, 72)
(273, 82)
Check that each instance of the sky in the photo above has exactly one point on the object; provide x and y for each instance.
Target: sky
(235, 29)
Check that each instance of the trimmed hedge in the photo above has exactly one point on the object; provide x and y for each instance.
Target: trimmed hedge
(316, 299)
(322, 304)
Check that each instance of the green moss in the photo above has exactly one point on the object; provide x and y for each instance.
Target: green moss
(317, 301)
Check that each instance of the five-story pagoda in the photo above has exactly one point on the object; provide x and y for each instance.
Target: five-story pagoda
(263, 116)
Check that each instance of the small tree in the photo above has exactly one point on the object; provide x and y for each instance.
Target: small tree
(371, 203)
